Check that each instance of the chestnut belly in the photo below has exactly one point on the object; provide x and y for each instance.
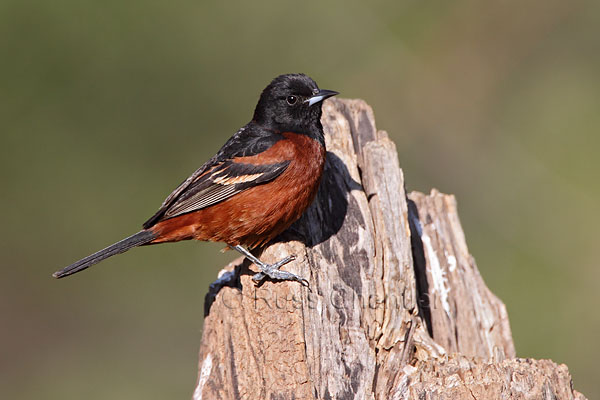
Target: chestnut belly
(252, 217)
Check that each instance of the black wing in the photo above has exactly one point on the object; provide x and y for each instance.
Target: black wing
(221, 177)
(222, 182)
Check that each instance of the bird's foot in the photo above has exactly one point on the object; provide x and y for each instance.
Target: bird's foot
(273, 272)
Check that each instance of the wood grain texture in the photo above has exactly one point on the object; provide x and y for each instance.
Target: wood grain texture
(397, 308)
(465, 316)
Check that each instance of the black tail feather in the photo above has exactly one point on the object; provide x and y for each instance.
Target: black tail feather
(122, 246)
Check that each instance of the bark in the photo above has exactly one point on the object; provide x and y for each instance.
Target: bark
(396, 308)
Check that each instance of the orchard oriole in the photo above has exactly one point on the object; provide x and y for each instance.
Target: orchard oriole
(253, 189)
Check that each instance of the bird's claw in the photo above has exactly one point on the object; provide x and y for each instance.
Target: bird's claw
(272, 271)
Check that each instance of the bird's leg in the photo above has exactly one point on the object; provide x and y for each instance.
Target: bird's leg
(271, 270)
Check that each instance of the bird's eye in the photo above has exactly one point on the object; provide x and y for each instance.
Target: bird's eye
(291, 100)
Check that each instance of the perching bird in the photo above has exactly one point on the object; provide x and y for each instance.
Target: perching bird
(253, 189)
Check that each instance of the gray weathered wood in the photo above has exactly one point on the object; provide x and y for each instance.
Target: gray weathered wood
(397, 308)
(465, 316)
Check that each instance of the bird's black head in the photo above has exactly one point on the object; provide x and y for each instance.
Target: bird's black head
(292, 103)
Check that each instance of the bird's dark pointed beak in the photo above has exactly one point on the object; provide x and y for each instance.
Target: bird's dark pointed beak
(320, 96)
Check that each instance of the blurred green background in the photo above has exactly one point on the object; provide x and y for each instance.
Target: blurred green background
(106, 106)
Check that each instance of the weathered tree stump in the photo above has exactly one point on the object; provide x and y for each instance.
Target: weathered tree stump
(396, 307)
